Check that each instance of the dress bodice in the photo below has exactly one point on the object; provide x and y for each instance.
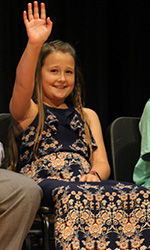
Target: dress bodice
(63, 132)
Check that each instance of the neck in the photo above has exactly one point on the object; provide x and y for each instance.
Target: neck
(60, 106)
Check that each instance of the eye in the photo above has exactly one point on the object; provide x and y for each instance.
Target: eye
(54, 70)
(69, 72)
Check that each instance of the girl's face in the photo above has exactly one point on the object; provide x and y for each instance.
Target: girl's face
(58, 78)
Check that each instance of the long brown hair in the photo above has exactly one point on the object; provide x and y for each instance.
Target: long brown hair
(76, 98)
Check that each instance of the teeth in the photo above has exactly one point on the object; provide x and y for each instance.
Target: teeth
(60, 87)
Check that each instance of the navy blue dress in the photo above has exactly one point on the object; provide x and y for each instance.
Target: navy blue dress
(89, 215)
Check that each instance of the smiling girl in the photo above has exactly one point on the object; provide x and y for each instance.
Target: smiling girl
(61, 147)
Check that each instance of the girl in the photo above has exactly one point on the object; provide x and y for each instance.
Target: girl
(60, 146)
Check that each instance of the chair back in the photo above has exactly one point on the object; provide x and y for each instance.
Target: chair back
(5, 120)
(125, 147)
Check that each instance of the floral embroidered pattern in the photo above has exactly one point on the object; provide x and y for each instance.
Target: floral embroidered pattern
(61, 166)
(106, 215)
(103, 219)
(56, 136)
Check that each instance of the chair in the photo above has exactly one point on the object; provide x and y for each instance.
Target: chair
(124, 147)
(45, 214)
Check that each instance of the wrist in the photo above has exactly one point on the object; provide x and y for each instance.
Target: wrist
(34, 46)
(95, 173)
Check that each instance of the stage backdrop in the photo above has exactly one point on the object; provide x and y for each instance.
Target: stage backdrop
(111, 39)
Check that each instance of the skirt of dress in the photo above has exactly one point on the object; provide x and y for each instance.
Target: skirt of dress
(99, 215)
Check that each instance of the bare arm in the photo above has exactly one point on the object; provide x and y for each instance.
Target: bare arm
(38, 30)
(99, 161)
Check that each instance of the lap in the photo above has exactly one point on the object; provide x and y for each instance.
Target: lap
(121, 190)
(113, 212)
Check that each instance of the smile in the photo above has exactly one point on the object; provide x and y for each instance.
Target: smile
(60, 87)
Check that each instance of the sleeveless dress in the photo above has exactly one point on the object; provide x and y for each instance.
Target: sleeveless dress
(89, 215)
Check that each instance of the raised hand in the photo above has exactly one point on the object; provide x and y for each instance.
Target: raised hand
(37, 25)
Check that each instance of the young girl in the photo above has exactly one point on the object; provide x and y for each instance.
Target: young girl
(60, 146)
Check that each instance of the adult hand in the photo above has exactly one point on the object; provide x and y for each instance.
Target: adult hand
(37, 25)
(90, 177)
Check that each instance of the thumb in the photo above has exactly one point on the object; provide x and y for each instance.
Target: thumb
(49, 22)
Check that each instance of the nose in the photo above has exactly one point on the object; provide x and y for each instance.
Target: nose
(62, 77)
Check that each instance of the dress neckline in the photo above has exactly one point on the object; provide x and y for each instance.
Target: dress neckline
(54, 108)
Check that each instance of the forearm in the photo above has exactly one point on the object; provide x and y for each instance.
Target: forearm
(25, 73)
(24, 82)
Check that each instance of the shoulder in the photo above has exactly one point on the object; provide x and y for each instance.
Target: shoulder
(146, 111)
(144, 123)
(147, 105)
(91, 115)
(90, 112)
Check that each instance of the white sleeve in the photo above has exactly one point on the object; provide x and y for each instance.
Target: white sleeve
(2, 154)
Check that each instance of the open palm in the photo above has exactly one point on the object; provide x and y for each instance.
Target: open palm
(38, 27)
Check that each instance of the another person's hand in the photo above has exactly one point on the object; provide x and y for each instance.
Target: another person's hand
(37, 25)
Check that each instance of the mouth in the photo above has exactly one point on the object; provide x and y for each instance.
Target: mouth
(60, 87)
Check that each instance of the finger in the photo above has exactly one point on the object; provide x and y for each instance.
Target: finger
(43, 11)
(83, 178)
(25, 17)
(93, 179)
(30, 14)
(49, 24)
(36, 10)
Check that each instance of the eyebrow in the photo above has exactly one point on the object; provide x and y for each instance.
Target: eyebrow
(56, 66)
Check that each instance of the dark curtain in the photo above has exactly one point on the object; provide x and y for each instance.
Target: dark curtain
(111, 39)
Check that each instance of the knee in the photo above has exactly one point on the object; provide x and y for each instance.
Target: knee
(18, 191)
(32, 192)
